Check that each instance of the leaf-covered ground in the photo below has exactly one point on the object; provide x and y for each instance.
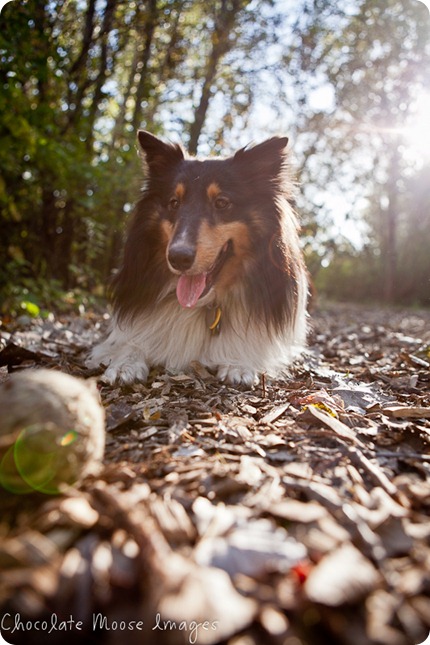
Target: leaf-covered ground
(295, 513)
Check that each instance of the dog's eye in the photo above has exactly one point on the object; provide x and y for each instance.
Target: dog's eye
(221, 203)
(174, 204)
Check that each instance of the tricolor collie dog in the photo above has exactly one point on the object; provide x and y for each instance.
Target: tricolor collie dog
(212, 269)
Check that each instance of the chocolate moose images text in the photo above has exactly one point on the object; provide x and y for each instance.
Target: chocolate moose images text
(11, 624)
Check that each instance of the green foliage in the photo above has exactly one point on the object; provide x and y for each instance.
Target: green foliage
(351, 276)
(39, 298)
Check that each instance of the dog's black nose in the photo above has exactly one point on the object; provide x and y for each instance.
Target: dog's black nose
(181, 257)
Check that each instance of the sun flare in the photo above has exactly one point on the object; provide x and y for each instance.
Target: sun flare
(416, 133)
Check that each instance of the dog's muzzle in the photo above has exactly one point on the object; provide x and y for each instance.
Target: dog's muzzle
(192, 287)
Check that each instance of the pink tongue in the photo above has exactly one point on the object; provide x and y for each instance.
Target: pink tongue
(190, 288)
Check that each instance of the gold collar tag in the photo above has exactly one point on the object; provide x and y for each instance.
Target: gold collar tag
(215, 327)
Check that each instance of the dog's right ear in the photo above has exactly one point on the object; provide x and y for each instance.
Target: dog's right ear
(267, 159)
(156, 153)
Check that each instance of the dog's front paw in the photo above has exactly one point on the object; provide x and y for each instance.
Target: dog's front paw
(126, 371)
(121, 363)
(237, 375)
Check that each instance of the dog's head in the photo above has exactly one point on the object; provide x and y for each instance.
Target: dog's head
(214, 215)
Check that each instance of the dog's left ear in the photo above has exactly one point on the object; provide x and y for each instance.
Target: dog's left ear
(158, 154)
(265, 159)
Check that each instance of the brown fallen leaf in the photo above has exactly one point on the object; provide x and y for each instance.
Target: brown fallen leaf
(13, 355)
(79, 511)
(408, 413)
(252, 548)
(296, 511)
(343, 576)
(335, 424)
(274, 413)
(204, 601)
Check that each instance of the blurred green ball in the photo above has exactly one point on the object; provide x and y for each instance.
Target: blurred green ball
(52, 431)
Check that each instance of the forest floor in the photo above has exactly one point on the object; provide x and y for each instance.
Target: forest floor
(294, 513)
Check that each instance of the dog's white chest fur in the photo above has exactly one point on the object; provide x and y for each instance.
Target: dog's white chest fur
(173, 337)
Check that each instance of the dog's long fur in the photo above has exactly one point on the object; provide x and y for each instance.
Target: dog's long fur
(209, 239)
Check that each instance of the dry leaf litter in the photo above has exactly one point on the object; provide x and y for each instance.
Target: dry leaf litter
(294, 513)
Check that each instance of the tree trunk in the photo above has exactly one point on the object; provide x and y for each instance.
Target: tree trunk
(76, 96)
(103, 69)
(41, 21)
(63, 255)
(86, 40)
(142, 87)
(221, 44)
(118, 130)
(45, 229)
(167, 67)
(390, 233)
